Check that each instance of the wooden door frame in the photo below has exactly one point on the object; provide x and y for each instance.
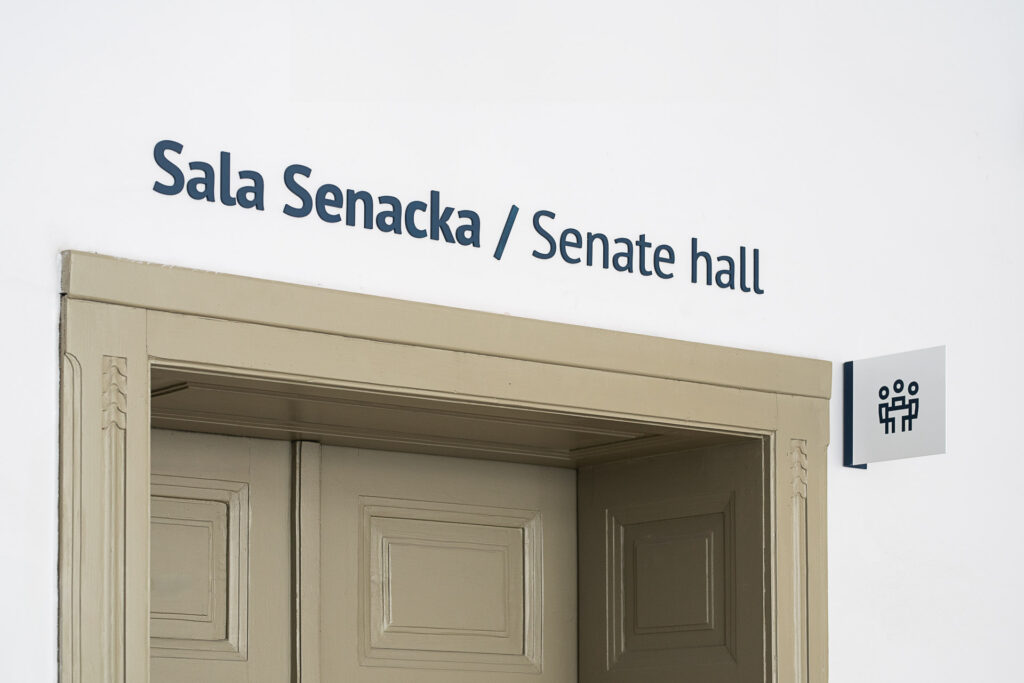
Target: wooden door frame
(120, 317)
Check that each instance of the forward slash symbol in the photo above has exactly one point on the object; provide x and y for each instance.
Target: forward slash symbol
(506, 231)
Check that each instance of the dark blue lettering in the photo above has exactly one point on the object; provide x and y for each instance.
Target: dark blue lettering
(298, 190)
(696, 256)
(597, 237)
(168, 167)
(225, 180)
(468, 233)
(250, 196)
(642, 244)
(623, 261)
(439, 219)
(670, 258)
(328, 197)
(552, 245)
(743, 270)
(757, 289)
(410, 219)
(395, 214)
(205, 181)
(350, 213)
(725, 277)
(564, 244)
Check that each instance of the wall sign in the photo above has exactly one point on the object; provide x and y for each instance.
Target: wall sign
(435, 221)
(894, 407)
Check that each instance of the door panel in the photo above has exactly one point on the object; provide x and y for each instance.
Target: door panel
(671, 557)
(220, 575)
(446, 569)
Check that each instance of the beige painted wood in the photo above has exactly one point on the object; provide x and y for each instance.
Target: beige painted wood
(101, 278)
(221, 602)
(198, 560)
(302, 357)
(440, 569)
(323, 341)
(104, 494)
(306, 577)
(675, 544)
(217, 403)
(800, 556)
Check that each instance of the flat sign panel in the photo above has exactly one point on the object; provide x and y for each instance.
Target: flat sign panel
(894, 407)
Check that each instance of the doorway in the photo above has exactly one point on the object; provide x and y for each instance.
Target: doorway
(466, 566)
(689, 480)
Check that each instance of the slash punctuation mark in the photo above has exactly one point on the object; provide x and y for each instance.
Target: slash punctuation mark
(506, 231)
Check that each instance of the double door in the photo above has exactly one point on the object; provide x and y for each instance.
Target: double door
(273, 561)
(357, 565)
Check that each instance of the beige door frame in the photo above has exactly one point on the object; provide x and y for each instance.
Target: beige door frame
(119, 318)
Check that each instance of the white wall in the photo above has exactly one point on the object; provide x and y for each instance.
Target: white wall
(873, 151)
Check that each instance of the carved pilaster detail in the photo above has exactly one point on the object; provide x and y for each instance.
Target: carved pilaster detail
(114, 424)
(798, 467)
(798, 470)
(115, 395)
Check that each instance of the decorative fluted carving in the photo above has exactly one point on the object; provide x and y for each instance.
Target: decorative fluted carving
(798, 471)
(115, 399)
(115, 395)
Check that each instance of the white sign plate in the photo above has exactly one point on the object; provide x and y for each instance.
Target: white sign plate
(894, 407)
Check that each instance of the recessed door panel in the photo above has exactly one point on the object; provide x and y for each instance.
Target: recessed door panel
(672, 562)
(446, 569)
(445, 586)
(220, 572)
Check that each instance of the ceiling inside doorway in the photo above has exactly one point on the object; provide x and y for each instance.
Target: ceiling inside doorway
(226, 404)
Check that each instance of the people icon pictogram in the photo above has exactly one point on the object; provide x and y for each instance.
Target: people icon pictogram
(895, 404)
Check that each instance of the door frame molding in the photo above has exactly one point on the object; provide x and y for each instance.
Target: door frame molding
(119, 318)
